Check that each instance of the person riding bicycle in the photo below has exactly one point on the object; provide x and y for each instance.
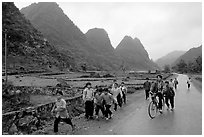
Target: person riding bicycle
(157, 90)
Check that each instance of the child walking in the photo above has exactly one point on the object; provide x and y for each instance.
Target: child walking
(98, 101)
(61, 113)
(108, 100)
(169, 95)
(88, 97)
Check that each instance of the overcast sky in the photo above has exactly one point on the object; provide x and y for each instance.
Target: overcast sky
(161, 27)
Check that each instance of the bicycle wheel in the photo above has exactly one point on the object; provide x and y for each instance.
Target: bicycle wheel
(152, 109)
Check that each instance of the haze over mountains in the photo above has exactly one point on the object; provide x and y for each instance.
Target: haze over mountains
(173, 58)
(190, 55)
(169, 58)
(93, 48)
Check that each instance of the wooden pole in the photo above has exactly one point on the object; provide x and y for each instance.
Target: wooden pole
(6, 78)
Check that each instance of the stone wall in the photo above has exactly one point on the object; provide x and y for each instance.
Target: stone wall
(70, 92)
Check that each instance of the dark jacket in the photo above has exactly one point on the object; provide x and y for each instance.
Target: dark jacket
(169, 92)
(147, 85)
(156, 86)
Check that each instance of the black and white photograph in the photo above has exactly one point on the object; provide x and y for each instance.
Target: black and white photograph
(101, 68)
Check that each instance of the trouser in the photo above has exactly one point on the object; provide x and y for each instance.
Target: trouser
(115, 104)
(189, 85)
(119, 100)
(124, 98)
(147, 93)
(58, 119)
(175, 86)
(159, 94)
(99, 107)
(89, 109)
(171, 99)
(107, 110)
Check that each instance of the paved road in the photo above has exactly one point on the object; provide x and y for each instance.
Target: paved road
(134, 119)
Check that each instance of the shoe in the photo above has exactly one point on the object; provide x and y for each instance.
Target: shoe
(91, 117)
(160, 111)
(167, 108)
(107, 118)
(172, 109)
(111, 116)
(97, 117)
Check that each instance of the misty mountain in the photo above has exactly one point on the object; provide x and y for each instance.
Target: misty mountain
(169, 58)
(133, 54)
(93, 48)
(99, 40)
(27, 48)
(190, 55)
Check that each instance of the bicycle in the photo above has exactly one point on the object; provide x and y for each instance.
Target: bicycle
(153, 106)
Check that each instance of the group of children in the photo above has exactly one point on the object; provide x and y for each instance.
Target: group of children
(98, 99)
(101, 99)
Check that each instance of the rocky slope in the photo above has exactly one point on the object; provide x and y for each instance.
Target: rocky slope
(27, 48)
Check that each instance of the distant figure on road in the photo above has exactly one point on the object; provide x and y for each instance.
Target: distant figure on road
(175, 83)
(88, 97)
(188, 83)
(98, 101)
(61, 112)
(108, 100)
(169, 95)
(147, 86)
(157, 88)
(124, 92)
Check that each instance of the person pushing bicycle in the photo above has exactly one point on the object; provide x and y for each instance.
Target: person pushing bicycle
(157, 90)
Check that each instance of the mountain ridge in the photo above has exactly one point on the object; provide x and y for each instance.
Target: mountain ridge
(169, 58)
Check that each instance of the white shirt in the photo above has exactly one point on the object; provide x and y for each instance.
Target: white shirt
(61, 104)
(88, 94)
(116, 91)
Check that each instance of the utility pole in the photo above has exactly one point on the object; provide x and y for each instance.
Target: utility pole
(6, 78)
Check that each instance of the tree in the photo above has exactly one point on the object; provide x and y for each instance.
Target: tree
(182, 66)
(199, 64)
(191, 67)
(166, 68)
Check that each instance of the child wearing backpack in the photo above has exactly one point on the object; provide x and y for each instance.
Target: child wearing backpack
(169, 95)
